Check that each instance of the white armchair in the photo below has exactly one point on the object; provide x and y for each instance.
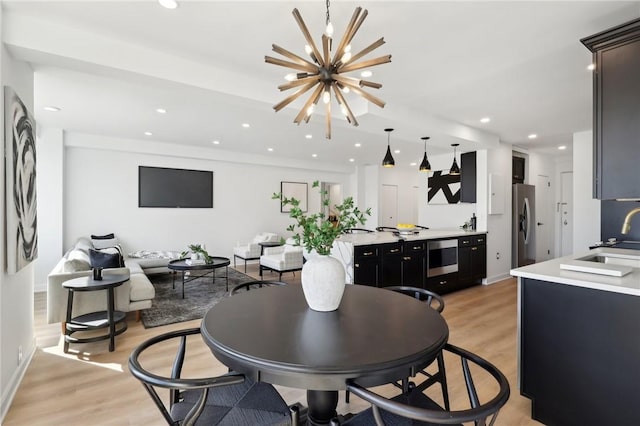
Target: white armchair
(253, 249)
(286, 258)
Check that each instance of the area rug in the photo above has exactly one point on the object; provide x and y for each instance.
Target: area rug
(200, 295)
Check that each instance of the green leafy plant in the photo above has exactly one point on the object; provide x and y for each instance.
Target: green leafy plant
(198, 249)
(315, 231)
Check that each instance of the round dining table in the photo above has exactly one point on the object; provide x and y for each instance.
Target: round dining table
(376, 336)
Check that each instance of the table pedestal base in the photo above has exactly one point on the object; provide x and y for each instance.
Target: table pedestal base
(322, 406)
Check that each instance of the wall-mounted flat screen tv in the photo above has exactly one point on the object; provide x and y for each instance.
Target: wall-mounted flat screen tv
(177, 188)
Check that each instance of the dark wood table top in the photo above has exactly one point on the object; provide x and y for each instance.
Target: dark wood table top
(89, 284)
(216, 262)
(376, 336)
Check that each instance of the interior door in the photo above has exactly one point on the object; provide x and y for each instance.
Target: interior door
(544, 219)
(389, 206)
(565, 208)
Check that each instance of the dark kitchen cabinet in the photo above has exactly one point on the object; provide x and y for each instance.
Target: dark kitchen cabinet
(403, 263)
(366, 266)
(517, 169)
(443, 284)
(616, 103)
(468, 177)
(472, 259)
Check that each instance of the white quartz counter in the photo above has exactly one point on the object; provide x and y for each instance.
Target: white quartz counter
(550, 271)
(383, 237)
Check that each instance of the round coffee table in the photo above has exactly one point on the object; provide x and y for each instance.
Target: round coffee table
(205, 268)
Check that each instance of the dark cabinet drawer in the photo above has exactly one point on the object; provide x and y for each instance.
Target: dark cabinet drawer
(360, 252)
(394, 248)
(479, 239)
(465, 241)
(443, 283)
(414, 246)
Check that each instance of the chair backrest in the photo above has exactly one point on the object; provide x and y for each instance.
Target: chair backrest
(356, 231)
(253, 285)
(479, 413)
(429, 297)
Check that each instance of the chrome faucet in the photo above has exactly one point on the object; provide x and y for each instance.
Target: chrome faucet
(626, 226)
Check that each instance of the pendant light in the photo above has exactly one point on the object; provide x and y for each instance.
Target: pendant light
(455, 170)
(425, 166)
(388, 160)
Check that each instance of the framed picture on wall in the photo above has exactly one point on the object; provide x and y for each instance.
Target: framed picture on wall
(297, 190)
(443, 188)
(20, 181)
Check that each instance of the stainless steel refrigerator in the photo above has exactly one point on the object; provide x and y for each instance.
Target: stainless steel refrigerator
(523, 246)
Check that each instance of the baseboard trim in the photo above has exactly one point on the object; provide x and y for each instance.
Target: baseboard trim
(496, 278)
(10, 392)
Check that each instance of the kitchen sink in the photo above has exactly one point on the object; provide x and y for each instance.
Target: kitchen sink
(604, 262)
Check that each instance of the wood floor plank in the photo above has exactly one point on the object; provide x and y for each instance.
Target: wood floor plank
(93, 386)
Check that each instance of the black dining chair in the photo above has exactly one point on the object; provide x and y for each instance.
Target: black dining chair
(436, 302)
(253, 285)
(231, 398)
(414, 407)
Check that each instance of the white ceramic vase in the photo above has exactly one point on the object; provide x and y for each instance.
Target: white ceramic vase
(323, 281)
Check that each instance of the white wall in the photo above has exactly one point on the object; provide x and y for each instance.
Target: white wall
(586, 210)
(50, 150)
(16, 291)
(99, 201)
(405, 179)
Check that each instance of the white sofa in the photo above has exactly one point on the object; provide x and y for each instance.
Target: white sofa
(253, 250)
(133, 295)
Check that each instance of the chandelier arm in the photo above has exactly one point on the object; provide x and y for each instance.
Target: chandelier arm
(342, 101)
(287, 64)
(325, 49)
(307, 35)
(346, 80)
(365, 64)
(356, 27)
(286, 101)
(307, 104)
(299, 82)
(315, 102)
(371, 84)
(295, 58)
(373, 99)
(327, 120)
(367, 49)
(343, 41)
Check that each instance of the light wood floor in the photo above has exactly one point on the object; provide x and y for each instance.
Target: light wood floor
(93, 386)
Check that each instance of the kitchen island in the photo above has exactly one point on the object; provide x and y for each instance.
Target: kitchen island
(441, 260)
(579, 343)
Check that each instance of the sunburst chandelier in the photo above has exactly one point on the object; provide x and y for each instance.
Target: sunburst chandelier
(326, 72)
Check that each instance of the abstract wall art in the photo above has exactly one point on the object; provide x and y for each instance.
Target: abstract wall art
(20, 183)
(443, 188)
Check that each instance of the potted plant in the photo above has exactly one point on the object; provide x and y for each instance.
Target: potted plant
(199, 251)
(323, 276)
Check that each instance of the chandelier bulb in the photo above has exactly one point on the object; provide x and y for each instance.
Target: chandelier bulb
(326, 97)
(291, 76)
(329, 30)
(347, 48)
(310, 109)
(344, 110)
(346, 57)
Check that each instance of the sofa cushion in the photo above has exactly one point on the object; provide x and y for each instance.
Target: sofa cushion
(134, 267)
(83, 244)
(79, 254)
(104, 241)
(75, 265)
(104, 259)
(141, 288)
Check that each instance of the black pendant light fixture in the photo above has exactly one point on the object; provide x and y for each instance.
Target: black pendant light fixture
(454, 170)
(425, 166)
(388, 160)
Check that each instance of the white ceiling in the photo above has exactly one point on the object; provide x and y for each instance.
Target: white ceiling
(110, 64)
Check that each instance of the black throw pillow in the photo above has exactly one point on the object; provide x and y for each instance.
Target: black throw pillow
(101, 259)
(103, 237)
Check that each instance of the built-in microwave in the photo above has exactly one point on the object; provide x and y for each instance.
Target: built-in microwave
(442, 257)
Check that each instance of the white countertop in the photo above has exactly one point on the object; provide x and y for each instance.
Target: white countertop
(383, 237)
(550, 271)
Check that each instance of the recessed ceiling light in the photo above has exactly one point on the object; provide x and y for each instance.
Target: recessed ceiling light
(215, 142)
(532, 136)
(51, 108)
(308, 136)
(591, 67)
(366, 74)
(413, 164)
(270, 149)
(397, 151)
(314, 155)
(351, 160)
(562, 147)
(246, 125)
(357, 145)
(485, 120)
(169, 4)
(161, 110)
(148, 134)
